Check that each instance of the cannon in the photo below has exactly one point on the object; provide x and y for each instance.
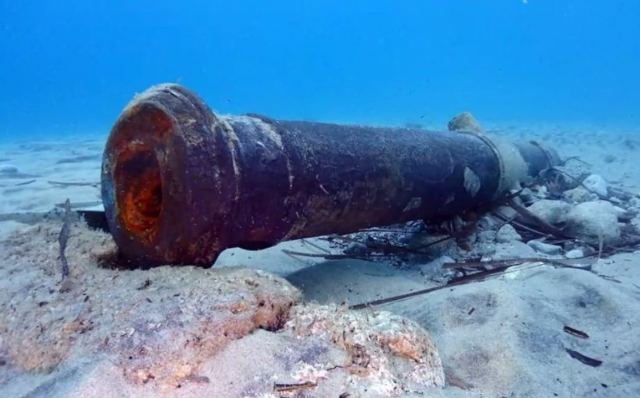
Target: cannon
(180, 183)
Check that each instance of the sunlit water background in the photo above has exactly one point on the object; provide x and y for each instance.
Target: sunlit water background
(69, 67)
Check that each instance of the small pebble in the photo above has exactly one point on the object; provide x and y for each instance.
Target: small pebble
(544, 247)
(574, 253)
(507, 234)
(464, 122)
(595, 183)
(551, 211)
(579, 195)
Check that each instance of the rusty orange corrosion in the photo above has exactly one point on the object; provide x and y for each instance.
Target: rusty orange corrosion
(138, 170)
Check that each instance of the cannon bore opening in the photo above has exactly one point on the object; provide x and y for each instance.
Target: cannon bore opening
(137, 177)
(140, 204)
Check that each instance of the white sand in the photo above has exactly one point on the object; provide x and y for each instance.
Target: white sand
(502, 337)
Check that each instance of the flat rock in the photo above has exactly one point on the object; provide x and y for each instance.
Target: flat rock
(513, 249)
(545, 248)
(595, 220)
(433, 269)
(507, 234)
(486, 236)
(595, 183)
(158, 325)
(574, 253)
(579, 195)
(394, 353)
(551, 211)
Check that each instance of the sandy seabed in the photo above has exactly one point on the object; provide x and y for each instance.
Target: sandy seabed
(268, 324)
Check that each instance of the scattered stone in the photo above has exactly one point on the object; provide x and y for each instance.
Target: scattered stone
(488, 222)
(528, 196)
(464, 122)
(507, 234)
(596, 184)
(609, 158)
(541, 191)
(511, 250)
(486, 236)
(595, 220)
(506, 212)
(551, 211)
(394, 353)
(545, 248)
(433, 269)
(579, 195)
(575, 253)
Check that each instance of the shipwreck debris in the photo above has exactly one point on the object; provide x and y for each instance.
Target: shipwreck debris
(291, 387)
(180, 183)
(63, 238)
(66, 184)
(583, 358)
(575, 332)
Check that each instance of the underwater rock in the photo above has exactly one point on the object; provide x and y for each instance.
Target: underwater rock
(545, 248)
(464, 122)
(551, 211)
(323, 351)
(157, 326)
(528, 196)
(595, 220)
(579, 195)
(596, 184)
(488, 222)
(433, 269)
(512, 249)
(486, 236)
(386, 353)
(575, 253)
(507, 234)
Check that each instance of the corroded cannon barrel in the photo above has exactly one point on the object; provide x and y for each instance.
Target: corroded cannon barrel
(180, 183)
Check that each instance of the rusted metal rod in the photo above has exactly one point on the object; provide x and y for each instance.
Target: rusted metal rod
(180, 183)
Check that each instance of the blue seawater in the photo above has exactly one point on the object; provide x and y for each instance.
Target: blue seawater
(69, 67)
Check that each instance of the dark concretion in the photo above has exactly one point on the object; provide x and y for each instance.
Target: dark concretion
(181, 184)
